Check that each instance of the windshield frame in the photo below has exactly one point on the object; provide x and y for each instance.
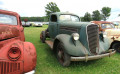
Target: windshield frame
(112, 25)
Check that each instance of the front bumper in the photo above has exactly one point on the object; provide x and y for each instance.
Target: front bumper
(86, 58)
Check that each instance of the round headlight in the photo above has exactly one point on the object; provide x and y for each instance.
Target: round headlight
(75, 36)
(14, 53)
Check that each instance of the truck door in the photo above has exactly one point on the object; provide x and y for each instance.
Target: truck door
(53, 26)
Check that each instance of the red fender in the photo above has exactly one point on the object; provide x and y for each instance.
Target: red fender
(30, 57)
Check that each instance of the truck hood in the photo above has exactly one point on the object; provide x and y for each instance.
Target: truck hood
(74, 24)
(7, 32)
(113, 32)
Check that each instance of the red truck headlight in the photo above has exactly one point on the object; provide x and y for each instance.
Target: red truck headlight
(14, 53)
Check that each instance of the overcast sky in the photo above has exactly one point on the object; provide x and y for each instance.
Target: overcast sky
(79, 7)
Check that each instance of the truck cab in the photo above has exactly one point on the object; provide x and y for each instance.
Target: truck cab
(16, 55)
(72, 40)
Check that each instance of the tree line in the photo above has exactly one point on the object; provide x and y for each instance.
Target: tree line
(52, 7)
(95, 16)
(40, 19)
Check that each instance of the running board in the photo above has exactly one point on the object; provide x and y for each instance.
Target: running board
(50, 43)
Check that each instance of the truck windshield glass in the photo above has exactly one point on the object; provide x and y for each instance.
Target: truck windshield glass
(69, 18)
(8, 19)
(105, 26)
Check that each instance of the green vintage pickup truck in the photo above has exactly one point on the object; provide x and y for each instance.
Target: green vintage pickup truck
(72, 40)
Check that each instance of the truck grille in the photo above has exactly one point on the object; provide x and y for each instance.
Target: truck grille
(71, 29)
(93, 38)
(9, 67)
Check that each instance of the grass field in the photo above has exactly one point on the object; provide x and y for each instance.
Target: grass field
(47, 63)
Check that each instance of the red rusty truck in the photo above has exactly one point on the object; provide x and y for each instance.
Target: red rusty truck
(103, 25)
(16, 55)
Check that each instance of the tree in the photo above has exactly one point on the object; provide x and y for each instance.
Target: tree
(25, 20)
(81, 19)
(87, 17)
(96, 16)
(50, 8)
(105, 13)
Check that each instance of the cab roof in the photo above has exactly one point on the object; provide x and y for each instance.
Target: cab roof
(8, 12)
(60, 13)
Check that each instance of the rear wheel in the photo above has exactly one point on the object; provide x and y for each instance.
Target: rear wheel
(62, 56)
(43, 36)
(116, 46)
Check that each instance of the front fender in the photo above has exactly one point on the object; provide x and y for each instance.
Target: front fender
(104, 45)
(72, 49)
(30, 57)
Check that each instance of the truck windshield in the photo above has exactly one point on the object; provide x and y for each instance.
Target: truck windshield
(72, 18)
(106, 26)
(8, 19)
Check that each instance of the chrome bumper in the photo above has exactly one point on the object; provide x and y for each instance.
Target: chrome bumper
(86, 58)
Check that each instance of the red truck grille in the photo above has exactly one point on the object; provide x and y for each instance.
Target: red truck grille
(9, 67)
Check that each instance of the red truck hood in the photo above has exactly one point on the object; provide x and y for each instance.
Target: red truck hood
(7, 32)
(113, 32)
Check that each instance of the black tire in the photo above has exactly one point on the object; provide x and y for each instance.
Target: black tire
(116, 46)
(62, 56)
(43, 36)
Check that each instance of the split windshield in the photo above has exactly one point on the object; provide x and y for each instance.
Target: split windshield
(72, 18)
(105, 26)
(8, 19)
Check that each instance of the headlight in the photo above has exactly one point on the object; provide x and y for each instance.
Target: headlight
(104, 34)
(14, 53)
(75, 36)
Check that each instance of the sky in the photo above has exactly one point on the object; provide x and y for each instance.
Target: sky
(80, 7)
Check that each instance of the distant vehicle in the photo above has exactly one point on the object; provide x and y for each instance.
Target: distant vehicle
(38, 24)
(110, 32)
(16, 55)
(72, 40)
(103, 25)
(46, 23)
(28, 24)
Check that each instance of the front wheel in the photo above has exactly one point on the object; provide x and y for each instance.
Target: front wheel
(116, 46)
(62, 56)
(43, 36)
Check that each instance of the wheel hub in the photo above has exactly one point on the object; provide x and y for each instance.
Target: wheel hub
(60, 54)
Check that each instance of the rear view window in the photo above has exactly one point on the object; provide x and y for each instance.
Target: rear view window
(53, 18)
(8, 19)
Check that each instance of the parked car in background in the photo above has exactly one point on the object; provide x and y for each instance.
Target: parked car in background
(38, 24)
(72, 40)
(110, 32)
(16, 55)
(45, 23)
(27, 24)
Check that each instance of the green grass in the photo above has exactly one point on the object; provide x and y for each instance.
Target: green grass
(47, 63)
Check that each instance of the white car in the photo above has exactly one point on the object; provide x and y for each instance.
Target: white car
(38, 24)
(25, 25)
